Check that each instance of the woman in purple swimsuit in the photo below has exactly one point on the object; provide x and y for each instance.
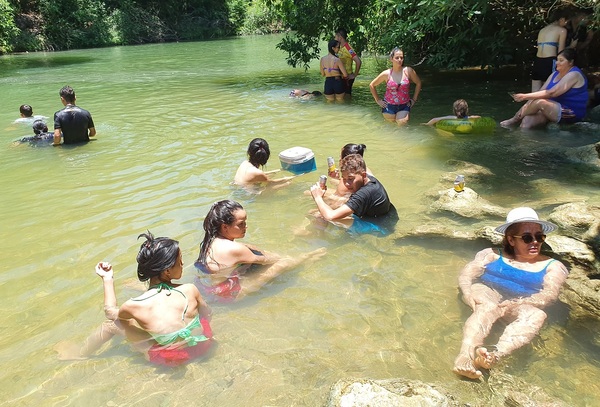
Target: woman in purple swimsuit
(514, 284)
(562, 99)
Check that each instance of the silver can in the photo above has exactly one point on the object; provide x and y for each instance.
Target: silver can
(323, 181)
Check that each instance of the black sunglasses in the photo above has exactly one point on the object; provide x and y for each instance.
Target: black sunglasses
(528, 237)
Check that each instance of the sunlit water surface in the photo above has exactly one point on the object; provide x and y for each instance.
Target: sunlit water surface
(173, 123)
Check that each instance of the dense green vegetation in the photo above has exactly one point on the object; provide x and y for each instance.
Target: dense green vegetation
(445, 33)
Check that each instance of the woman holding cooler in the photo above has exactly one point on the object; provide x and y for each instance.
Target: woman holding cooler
(396, 104)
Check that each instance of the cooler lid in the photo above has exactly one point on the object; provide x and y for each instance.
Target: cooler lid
(296, 154)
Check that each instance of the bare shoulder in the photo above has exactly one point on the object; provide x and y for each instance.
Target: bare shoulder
(556, 266)
(486, 255)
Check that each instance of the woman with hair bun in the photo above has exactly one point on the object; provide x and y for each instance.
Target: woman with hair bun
(250, 172)
(225, 263)
(169, 322)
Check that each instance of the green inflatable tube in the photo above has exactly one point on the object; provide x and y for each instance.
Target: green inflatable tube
(465, 126)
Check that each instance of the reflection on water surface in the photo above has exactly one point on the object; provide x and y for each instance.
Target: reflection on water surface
(174, 121)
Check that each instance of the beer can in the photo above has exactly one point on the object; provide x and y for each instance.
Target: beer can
(330, 164)
(459, 183)
(323, 181)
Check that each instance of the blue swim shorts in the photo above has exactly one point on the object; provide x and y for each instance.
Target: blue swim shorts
(393, 109)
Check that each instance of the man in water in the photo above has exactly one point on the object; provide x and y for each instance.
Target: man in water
(74, 123)
(347, 55)
(368, 199)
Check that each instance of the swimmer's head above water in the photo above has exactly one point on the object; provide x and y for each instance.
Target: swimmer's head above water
(156, 255)
(353, 149)
(39, 127)
(220, 213)
(258, 152)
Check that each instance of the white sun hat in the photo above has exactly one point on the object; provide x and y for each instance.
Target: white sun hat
(525, 215)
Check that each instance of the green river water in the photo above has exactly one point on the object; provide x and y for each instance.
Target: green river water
(173, 123)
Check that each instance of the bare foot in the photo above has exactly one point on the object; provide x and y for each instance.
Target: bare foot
(315, 255)
(509, 122)
(485, 359)
(68, 351)
(463, 365)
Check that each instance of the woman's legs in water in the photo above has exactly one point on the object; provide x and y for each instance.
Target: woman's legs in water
(535, 113)
(477, 328)
(339, 97)
(253, 281)
(402, 117)
(71, 351)
(528, 320)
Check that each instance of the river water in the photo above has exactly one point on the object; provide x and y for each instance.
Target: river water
(173, 123)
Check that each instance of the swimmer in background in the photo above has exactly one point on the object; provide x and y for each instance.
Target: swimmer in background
(40, 129)
(304, 94)
(551, 41)
(225, 265)
(249, 171)
(332, 68)
(26, 113)
(169, 322)
(461, 111)
(397, 102)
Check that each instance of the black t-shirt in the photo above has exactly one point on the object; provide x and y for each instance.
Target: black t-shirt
(74, 123)
(371, 200)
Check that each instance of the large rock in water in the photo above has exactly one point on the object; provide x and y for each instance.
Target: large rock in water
(387, 393)
(594, 114)
(467, 203)
(502, 390)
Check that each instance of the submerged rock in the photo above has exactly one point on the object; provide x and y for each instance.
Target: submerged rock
(502, 390)
(387, 393)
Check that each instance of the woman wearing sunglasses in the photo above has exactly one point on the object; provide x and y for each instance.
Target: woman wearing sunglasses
(514, 284)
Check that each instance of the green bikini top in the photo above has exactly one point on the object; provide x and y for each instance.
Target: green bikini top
(183, 333)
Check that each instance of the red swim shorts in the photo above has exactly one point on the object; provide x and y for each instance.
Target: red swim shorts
(161, 355)
(226, 291)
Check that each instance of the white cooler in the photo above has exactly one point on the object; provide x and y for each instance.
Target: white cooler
(298, 160)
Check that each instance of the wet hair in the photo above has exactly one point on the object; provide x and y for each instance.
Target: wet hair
(563, 13)
(258, 152)
(26, 110)
(156, 255)
(342, 33)
(353, 164)
(396, 49)
(331, 45)
(316, 93)
(67, 93)
(569, 54)
(353, 149)
(461, 108)
(39, 127)
(220, 213)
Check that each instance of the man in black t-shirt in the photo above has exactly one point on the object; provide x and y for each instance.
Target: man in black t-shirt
(74, 123)
(368, 200)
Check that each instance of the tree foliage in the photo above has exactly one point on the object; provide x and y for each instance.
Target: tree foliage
(444, 33)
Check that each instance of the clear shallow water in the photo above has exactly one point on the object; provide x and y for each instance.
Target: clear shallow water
(173, 122)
